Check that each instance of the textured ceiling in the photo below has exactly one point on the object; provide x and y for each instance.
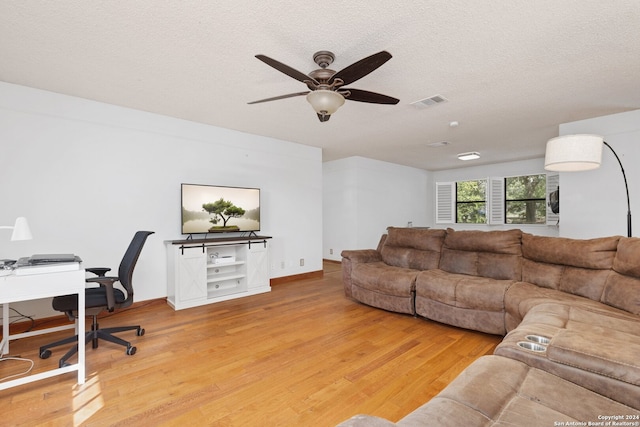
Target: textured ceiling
(511, 70)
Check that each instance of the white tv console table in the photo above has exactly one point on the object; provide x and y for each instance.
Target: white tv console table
(205, 271)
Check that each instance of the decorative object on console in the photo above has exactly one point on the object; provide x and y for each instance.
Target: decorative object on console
(581, 152)
(326, 92)
(21, 230)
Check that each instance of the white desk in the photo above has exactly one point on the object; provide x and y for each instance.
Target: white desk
(14, 288)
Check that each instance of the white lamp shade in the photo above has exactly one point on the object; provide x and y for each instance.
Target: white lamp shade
(325, 102)
(21, 230)
(572, 153)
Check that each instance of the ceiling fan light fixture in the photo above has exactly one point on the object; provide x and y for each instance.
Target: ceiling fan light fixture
(325, 102)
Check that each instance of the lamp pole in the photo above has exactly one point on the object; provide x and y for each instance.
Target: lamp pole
(626, 188)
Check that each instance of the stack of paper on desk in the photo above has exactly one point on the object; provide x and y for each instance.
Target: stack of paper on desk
(47, 263)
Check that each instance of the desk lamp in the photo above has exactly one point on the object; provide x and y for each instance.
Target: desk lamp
(21, 230)
(572, 153)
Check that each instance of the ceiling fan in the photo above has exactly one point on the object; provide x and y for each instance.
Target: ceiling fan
(326, 87)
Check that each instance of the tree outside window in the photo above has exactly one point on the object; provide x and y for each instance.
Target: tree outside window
(471, 204)
(525, 199)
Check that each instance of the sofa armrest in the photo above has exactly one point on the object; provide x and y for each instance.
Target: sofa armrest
(358, 256)
(603, 351)
(362, 255)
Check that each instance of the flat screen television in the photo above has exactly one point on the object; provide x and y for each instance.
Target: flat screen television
(217, 209)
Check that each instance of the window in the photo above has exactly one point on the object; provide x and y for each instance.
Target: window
(471, 204)
(497, 200)
(525, 199)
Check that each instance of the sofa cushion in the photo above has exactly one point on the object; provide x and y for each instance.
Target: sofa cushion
(627, 256)
(577, 281)
(622, 289)
(469, 302)
(604, 327)
(523, 296)
(622, 292)
(576, 267)
(597, 254)
(412, 248)
(604, 269)
(496, 391)
(384, 279)
(462, 291)
(493, 254)
(583, 317)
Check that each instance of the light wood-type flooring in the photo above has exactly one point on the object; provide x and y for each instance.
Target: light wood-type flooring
(301, 355)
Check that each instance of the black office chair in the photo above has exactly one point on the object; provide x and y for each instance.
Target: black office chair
(99, 299)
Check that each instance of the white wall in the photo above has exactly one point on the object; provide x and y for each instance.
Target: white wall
(362, 197)
(525, 167)
(594, 203)
(87, 175)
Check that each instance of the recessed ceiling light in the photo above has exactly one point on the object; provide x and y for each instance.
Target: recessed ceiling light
(473, 155)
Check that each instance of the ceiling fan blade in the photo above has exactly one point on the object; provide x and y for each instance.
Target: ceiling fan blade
(291, 72)
(275, 98)
(366, 96)
(359, 69)
(324, 117)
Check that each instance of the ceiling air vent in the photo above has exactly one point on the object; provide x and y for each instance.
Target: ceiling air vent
(428, 102)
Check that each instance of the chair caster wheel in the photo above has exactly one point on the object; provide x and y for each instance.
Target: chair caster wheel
(131, 351)
(44, 354)
(140, 332)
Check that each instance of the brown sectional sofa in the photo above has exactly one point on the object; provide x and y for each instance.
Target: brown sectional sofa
(581, 296)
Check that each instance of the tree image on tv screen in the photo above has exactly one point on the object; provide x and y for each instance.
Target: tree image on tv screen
(222, 210)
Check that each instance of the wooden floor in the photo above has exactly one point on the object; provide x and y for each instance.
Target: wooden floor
(301, 355)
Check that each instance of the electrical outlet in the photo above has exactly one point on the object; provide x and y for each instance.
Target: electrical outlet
(301, 262)
(330, 251)
(282, 265)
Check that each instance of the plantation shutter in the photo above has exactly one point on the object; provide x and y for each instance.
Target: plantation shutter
(553, 184)
(445, 202)
(495, 201)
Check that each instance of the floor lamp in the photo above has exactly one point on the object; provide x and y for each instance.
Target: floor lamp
(572, 153)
